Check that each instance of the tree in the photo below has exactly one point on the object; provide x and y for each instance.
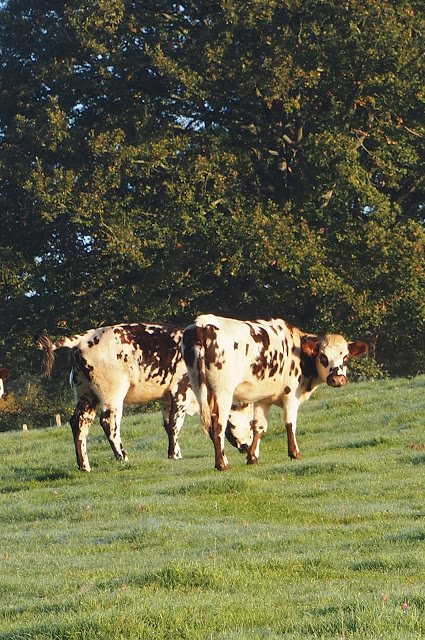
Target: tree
(253, 159)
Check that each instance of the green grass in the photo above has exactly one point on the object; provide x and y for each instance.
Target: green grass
(330, 546)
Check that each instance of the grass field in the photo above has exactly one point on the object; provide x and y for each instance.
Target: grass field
(330, 546)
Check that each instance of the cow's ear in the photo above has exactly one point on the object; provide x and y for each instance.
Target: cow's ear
(310, 348)
(357, 348)
(4, 373)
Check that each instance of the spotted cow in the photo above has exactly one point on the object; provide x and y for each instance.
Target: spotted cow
(261, 362)
(130, 364)
(4, 374)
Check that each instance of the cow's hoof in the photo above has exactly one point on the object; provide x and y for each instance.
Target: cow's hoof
(224, 467)
(252, 460)
(295, 456)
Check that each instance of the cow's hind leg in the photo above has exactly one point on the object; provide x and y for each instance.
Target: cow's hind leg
(219, 417)
(259, 427)
(290, 409)
(81, 420)
(110, 419)
(173, 414)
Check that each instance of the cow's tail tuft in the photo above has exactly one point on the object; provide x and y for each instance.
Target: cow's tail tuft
(44, 343)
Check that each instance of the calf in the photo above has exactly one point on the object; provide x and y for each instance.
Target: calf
(4, 374)
(130, 364)
(265, 363)
(124, 364)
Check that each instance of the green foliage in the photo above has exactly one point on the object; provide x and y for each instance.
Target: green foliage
(35, 402)
(329, 546)
(366, 368)
(260, 159)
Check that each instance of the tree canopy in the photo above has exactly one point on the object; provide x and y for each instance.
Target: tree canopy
(254, 159)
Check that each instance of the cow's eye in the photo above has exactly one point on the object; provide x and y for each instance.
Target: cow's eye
(323, 360)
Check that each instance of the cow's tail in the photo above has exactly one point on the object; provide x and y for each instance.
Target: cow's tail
(49, 347)
(193, 346)
(203, 392)
(46, 345)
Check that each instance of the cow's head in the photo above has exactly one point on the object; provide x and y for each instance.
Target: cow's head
(4, 374)
(238, 430)
(332, 353)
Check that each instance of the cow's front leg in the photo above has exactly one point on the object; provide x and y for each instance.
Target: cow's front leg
(80, 422)
(290, 409)
(173, 417)
(259, 427)
(110, 419)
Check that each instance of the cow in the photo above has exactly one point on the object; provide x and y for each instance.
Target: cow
(130, 364)
(4, 374)
(261, 362)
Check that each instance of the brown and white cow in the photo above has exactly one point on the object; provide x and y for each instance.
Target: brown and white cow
(4, 374)
(261, 362)
(129, 364)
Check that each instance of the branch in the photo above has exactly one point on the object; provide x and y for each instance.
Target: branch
(326, 197)
(419, 135)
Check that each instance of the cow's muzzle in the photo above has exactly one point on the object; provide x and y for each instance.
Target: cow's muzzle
(334, 380)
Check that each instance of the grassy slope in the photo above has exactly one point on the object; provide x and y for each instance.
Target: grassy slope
(330, 546)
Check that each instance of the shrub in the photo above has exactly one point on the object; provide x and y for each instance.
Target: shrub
(366, 368)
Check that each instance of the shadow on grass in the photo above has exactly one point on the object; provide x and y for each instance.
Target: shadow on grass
(413, 535)
(172, 577)
(413, 457)
(375, 441)
(221, 484)
(333, 467)
(46, 474)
